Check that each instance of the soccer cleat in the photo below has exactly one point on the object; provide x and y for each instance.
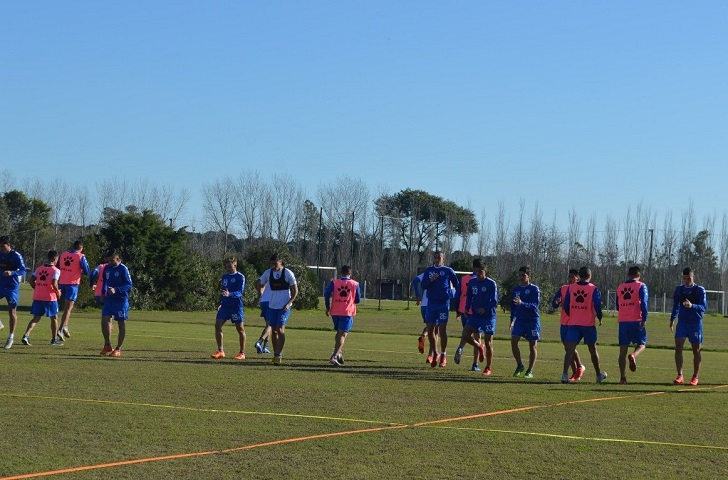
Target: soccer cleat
(429, 359)
(8, 343)
(106, 350)
(115, 353)
(217, 355)
(334, 361)
(579, 373)
(435, 358)
(529, 374)
(265, 349)
(694, 381)
(632, 362)
(679, 380)
(340, 358)
(25, 340)
(421, 344)
(66, 333)
(277, 360)
(475, 368)
(239, 356)
(443, 360)
(481, 352)
(60, 333)
(519, 371)
(623, 381)
(258, 347)
(56, 343)
(601, 377)
(487, 371)
(566, 379)
(458, 355)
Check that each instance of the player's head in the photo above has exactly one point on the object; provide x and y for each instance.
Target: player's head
(524, 274)
(480, 268)
(52, 256)
(231, 264)
(276, 261)
(113, 257)
(5, 244)
(688, 276)
(634, 272)
(573, 275)
(77, 245)
(345, 271)
(584, 273)
(438, 258)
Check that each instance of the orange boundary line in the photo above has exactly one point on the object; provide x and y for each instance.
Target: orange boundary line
(326, 435)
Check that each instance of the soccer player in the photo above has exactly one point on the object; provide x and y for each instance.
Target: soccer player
(583, 305)
(341, 297)
(116, 288)
(463, 314)
(283, 292)
(481, 301)
(12, 267)
(72, 264)
(631, 302)
(421, 300)
(557, 302)
(525, 321)
(97, 282)
(261, 346)
(45, 297)
(441, 285)
(230, 307)
(688, 306)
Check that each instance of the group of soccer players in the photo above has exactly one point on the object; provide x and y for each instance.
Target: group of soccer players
(580, 307)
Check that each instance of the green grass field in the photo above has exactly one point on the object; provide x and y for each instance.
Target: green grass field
(166, 410)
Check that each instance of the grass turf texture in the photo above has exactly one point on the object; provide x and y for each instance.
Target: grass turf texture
(67, 407)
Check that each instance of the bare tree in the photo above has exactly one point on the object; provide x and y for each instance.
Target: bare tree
(252, 202)
(221, 206)
(7, 181)
(286, 201)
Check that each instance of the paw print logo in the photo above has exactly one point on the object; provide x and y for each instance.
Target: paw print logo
(43, 276)
(580, 296)
(68, 261)
(627, 293)
(343, 290)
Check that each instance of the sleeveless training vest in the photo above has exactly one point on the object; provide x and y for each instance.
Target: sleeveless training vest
(342, 300)
(70, 266)
(581, 305)
(43, 290)
(628, 297)
(280, 283)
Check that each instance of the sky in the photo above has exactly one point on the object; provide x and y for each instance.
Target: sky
(588, 106)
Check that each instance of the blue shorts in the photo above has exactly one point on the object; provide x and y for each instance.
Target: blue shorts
(69, 292)
(263, 309)
(277, 317)
(527, 329)
(342, 322)
(562, 331)
(691, 331)
(485, 325)
(235, 314)
(437, 314)
(574, 334)
(423, 312)
(11, 295)
(44, 308)
(631, 333)
(117, 309)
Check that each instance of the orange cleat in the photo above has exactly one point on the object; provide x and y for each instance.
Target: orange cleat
(443, 360)
(694, 381)
(421, 344)
(115, 353)
(435, 357)
(487, 371)
(679, 380)
(217, 355)
(106, 350)
(239, 356)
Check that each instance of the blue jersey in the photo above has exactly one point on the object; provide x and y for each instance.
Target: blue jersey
(119, 278)
(482, 294)
(530, 297)
(234, 283)
(441, 285)
(13, 262)
(694, 314)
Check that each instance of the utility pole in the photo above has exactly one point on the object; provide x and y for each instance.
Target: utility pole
(649, 260)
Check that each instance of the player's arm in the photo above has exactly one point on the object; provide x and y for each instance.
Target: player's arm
(598, 305)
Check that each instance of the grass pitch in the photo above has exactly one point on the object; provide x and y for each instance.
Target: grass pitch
(165, 409)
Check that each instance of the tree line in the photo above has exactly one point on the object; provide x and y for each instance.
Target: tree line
(385, 237)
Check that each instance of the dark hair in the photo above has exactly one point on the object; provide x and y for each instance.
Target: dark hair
(52, 255)
(584, 272)
(687, 271)
(231, 259)
(276, 258)
(77, 244)
(113, 253)
(4, 240)
(573, 271)
(525, 269)
(634, 271)
(479, 264)
(345, 270)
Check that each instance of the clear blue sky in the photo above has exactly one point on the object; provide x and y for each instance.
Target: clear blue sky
(574, 104)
